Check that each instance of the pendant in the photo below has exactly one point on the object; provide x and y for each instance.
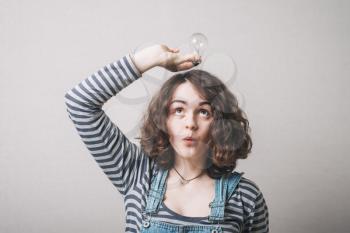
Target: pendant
(184, 181)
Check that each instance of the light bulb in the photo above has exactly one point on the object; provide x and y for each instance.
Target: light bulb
(198, 43)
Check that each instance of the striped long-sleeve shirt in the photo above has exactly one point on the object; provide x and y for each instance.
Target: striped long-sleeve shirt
(130, 169)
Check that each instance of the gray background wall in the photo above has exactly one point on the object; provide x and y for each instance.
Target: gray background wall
(292, 60)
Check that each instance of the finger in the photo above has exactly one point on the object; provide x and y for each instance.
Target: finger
(185, 66)
(195, 63)
(192, 57)
(174, 50)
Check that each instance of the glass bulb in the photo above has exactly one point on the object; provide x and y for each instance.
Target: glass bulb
(199, 43)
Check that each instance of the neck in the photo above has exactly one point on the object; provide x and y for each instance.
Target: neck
(190, 167)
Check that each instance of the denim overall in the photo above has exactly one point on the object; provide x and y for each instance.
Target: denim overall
(224, 188)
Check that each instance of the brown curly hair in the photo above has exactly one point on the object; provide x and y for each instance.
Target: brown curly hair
(229, 137)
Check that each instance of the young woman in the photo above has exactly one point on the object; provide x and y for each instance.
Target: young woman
(181, 178)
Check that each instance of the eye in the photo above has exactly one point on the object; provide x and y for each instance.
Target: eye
(206, 112)
(178, 110)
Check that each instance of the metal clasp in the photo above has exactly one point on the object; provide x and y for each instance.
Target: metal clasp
(147, 217)
(146, 224)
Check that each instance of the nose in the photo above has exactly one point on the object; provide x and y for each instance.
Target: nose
(191, 122)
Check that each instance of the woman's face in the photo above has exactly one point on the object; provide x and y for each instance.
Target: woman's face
(189, 116)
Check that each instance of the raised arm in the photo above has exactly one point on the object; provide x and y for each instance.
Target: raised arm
(114, 153)
(121, 160)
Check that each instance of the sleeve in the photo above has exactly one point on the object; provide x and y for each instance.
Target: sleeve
(121, 160)
(258, 218)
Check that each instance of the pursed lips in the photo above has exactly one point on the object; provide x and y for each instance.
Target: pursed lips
(189, 139)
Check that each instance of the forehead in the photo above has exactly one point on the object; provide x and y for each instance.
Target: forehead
(187, 93)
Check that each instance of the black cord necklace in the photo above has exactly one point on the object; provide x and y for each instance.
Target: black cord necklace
(185, 181)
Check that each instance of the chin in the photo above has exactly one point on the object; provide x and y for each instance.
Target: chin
(187, 152)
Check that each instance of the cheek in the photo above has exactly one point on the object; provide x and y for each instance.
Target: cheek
(174, 129)
(206, 131)
(170, 127)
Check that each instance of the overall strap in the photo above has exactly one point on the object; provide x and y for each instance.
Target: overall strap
(233, 182)
(224, 188)
(156, 192)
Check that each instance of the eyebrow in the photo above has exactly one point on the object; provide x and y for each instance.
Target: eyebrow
(184, 102)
